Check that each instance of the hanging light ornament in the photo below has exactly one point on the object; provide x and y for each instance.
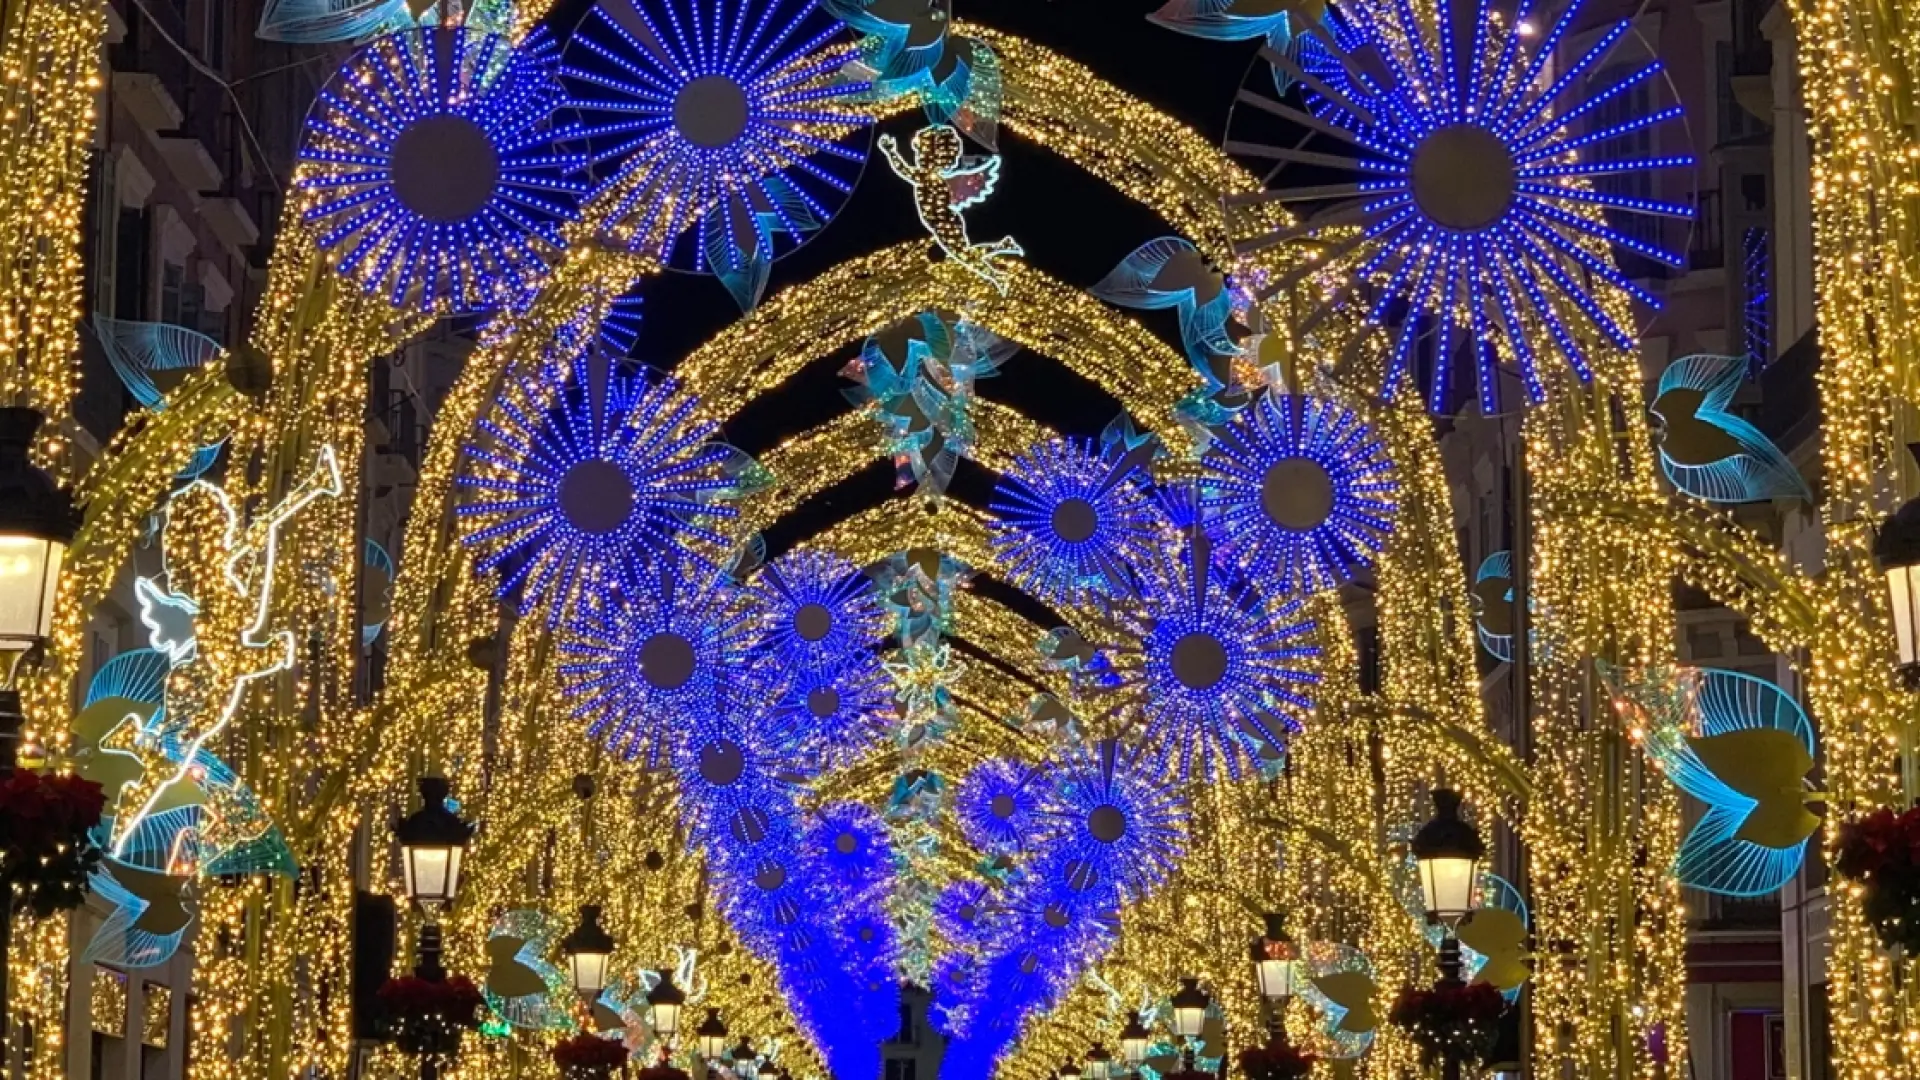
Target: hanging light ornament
(429, 169)
(1475, 201)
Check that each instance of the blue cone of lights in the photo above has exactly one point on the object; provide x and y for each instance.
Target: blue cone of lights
(722, 129)
(575, 483)
(1482, 185)
(1299, 491)
(430, 171)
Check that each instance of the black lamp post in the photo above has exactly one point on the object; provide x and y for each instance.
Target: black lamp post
(1275, 963)
(746, 1060)
(1135, 1040)
(37, 523)
(588, 949)
(1099, 1063)
(1189, 1018)
(1897, 551)
(1448, 851)
(712, 1034)
(667, 1001)
(433, 840)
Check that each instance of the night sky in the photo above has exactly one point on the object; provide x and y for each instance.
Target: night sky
(1072, 225)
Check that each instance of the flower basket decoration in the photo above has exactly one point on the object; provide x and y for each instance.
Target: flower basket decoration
(662, 1071)
(1881, 852)
(1276, 1061)
(586, 1056)
(46, 853)
(422, 1016)
(1461, 1023)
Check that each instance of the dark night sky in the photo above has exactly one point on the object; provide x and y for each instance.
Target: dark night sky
(1073, 226)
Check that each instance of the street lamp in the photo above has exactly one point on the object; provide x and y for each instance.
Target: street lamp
(1068, 1070)
(1448, 852)
(1189, 1016)
(746, 1062)
(666, 1000)
(588, 949)
(712, 1034)
(432, 841)
(1275, 963)
(1897, 551)
(37, 523)
(1099, 1063)
(1134, 1041)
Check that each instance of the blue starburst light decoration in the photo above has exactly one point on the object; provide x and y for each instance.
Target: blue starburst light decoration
(1475, 198)
(725, 134)
(1300, 489)
(997, 805)
(841, 713)
(1205, 662)
(1110, 821)
(1073, 518)
(739, 775)
(821, 611)
(850, 845)
(590, 476)
(674, 646)
(430, 167)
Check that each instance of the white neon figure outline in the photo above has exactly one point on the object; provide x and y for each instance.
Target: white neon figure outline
(325, 480)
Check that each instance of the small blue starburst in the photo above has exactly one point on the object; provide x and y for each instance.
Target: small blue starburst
(1110, 821)
(730, 135)
(821, 611)
(1072, 519)
(842, 712)
(849, 844)
(1299, 489)
(997, 804)
(430, 170)
(676, 644)
(1476, 199)
(582, 479)
(739, 775)
(1205, 661)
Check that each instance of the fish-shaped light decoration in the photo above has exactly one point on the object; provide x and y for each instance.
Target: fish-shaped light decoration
(523, 986)
(1492, 602)
(1340, 986)
(151, 359)
(1171, 273)
(1274, 22)
(1742, 746)
(1706, 450)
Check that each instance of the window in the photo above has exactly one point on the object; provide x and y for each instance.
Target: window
(1630, 104)
(130, 265)
(172, 277)
(902, 1069)
(1734, 122)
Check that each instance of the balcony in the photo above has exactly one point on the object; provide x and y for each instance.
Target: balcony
(231, 223)
(147, 100)
(188, 160)
(1707, 245)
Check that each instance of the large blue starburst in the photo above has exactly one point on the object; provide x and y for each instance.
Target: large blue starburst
(583, 479)
(821, 611)
(1300, 490)
(729, 137)
(430, 169)
(1481, 184)
(849, 844)
(739, 775)
(1072, 518)
(997, 804)
(1110, 821)
(673, 646)
(1204, 662)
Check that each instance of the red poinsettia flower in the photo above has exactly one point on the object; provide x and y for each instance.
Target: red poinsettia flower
(1276, 1061)
(586, 1056)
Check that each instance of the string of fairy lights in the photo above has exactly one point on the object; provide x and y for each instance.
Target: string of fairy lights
(269, 995)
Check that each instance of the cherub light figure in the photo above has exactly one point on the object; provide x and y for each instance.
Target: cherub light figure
(946, 182)
(212, 623)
